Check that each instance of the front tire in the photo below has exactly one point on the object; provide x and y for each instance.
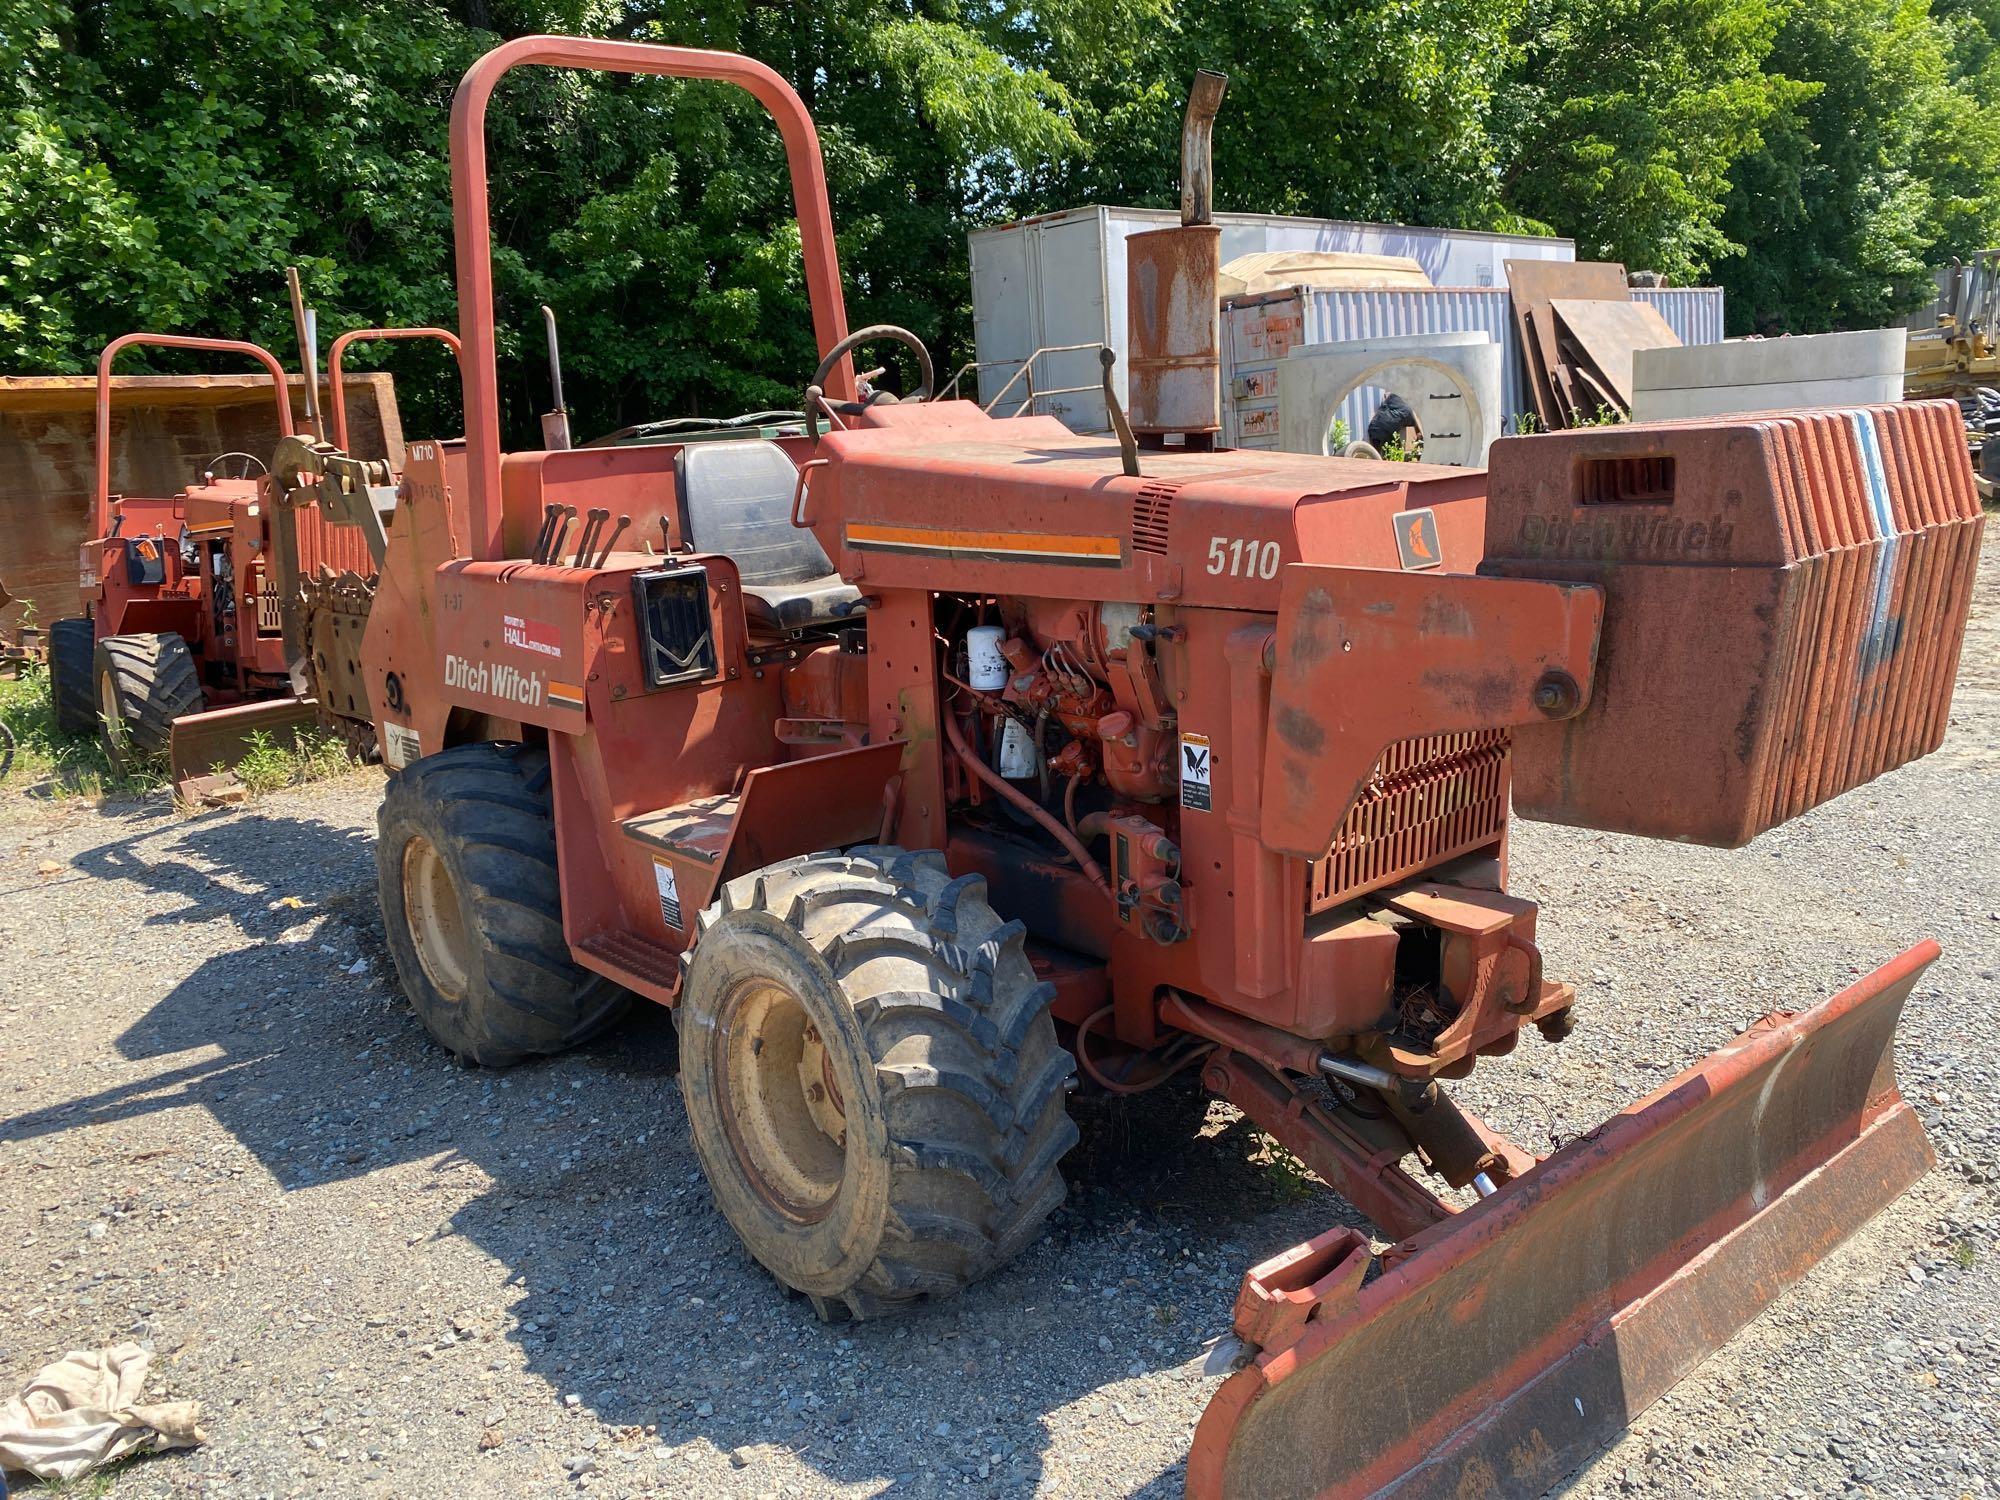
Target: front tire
(72, 658)
(144, 683)
(465, 866)
(872, 1077)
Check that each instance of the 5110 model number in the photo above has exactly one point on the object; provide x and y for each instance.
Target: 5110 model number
(1242, 557)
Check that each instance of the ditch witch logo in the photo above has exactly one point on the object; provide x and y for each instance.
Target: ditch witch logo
(494, 679)
(1624, 536)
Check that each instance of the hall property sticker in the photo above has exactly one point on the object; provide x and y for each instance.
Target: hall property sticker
(1197, 766)
(670, 894)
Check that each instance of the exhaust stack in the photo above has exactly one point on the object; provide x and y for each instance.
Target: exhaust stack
(1172, 318)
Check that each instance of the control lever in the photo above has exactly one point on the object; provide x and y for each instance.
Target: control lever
(561, 534)
(604, 552)
(545, 538)
(594, 522)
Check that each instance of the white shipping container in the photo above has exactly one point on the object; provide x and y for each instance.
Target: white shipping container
(1259, 331)
(1059, 279)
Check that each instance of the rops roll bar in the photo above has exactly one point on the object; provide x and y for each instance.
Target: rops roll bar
(100, 512)
(473, 228)
(336, 396)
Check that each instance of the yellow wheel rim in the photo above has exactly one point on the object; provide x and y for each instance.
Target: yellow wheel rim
(781, 1108)
(437, 926)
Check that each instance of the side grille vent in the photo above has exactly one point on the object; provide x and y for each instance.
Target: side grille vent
(1431, 799)
(1152, 509)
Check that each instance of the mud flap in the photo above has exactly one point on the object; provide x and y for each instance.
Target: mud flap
(203, 748)
(1497, 1351)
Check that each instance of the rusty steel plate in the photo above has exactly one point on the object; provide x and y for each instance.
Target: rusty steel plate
(1365, 658)
(1498, 1350)
(1609, 333)
(1532, 285)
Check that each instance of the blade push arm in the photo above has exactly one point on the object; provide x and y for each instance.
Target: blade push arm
(1364, 658)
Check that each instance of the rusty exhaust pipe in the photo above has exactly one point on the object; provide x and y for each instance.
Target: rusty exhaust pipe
(1174, 373)
(1197, 137)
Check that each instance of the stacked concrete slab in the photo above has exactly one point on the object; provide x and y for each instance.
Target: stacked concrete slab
(1821, 369)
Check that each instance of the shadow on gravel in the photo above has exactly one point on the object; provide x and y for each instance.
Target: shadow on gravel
(634, 1294)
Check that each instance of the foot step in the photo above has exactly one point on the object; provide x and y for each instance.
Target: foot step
(697, 830)
(642, 964)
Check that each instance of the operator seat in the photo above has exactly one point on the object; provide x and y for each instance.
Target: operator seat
(736, 499)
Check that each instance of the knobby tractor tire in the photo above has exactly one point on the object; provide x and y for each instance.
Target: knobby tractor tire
(872, 1077)
(465, 868)
(144, 683)
(72, 653)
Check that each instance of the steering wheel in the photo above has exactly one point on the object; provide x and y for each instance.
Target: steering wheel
(243, 462)
(816, 389)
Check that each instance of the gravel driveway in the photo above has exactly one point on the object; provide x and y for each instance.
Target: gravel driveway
(381, 1274)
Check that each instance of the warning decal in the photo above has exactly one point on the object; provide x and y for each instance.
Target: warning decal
(400, 745)
(670, 894)
(1197, 766)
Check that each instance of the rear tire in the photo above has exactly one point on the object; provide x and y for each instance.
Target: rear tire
(872, 1077)
(72, 655)
(466, 873)
(144, 683)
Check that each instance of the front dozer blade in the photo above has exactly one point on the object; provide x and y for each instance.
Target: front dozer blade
(203, 748)
(1496, 1351)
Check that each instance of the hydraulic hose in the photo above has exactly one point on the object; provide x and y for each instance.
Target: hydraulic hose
(1018, 798)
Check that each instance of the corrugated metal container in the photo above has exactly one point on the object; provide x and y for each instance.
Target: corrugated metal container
(1693, 312)
(1059, 279)
(1259, 331)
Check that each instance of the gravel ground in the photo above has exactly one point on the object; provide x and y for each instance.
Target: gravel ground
(381, 1274)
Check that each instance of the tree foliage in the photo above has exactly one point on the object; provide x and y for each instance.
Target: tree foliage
(165, 159)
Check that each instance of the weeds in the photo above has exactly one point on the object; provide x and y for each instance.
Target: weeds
(1963, 1255)
(61, 765)
(64, 765)
(1290, 1178)
(311, 756)
(87, 1487)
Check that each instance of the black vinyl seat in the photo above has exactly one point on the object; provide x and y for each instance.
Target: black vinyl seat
(736, 499)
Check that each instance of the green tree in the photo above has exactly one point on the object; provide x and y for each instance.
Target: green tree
(1625, 119)
(170, 157)
(1887, 164)
(1336, 107)
(165, 159)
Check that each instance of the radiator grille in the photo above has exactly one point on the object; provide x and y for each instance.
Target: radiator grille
(1152, 509)
(1431, 799)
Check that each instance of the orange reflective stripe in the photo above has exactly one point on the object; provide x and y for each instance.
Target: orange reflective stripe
(1031, 545)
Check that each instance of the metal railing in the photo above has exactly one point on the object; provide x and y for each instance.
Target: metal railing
(1025, 373)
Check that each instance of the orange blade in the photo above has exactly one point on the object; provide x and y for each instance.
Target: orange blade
(1498, 1350)
(209, 745)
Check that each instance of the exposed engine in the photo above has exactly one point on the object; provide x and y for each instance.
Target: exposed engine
(1060, 703)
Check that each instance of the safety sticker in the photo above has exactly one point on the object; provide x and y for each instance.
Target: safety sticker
(670, 894)
(1417, 540)
(1197, 767)
(400, 746)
